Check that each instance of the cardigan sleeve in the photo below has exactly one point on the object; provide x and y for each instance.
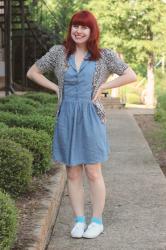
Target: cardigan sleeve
(47, 62)
(114, 63)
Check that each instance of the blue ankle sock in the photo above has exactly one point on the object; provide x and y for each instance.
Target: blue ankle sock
(79, 218)
(97, 220)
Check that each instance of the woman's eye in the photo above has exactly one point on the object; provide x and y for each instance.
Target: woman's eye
(75, 26)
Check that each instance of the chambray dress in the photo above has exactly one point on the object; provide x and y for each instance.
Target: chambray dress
(80, 137)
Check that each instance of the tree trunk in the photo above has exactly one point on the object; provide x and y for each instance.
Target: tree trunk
(149, 100)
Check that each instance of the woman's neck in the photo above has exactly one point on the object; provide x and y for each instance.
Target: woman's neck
(81, 48)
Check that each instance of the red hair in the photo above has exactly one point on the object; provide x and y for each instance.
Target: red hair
(84, 18)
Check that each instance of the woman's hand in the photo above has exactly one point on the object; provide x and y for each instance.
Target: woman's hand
(57, 91)
(98, 93)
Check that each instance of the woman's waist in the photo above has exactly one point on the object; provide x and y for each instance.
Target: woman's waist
(77, 99)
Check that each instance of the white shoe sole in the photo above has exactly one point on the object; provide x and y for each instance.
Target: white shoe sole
(75, 236)
(91, 237)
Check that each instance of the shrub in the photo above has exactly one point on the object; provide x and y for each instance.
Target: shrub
(38, 143)
(160, 115)
(160, 111)
(17, 108)
(133, 98)
(161, 101)
(160, 85)
(7, 98)
(3, 125)
(42, 97)
(48, 110)
(20, 100)
(15, 167)
(8, 221)
(35, 121)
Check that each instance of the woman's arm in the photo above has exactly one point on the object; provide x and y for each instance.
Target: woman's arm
(127, 77)
(36, 75)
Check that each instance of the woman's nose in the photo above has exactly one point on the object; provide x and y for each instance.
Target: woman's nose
(79, 29)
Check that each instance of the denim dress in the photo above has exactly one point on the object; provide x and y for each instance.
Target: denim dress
(80, 137)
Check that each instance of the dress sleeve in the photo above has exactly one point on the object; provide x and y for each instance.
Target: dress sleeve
(114, 63)
(47, 62)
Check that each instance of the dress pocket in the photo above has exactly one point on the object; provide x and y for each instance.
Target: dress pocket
(100, 113)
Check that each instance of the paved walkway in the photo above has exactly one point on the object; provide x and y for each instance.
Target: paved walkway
(135, 210)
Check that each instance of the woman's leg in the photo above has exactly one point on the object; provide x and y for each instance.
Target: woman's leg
(97, 188)
(75, 189)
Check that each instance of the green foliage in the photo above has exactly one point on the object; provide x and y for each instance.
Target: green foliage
(30, 103)
(38, 143)
(53, 16)
(8, 221)
(20, 100)
(47, 110)
(160, 79)
(134, 28)
(43, 98)
(160, 115)
(161, 101)
(133, 98)
(160, 111)
(3, 125)
(15, 167)
(17, 107)
(34, 121)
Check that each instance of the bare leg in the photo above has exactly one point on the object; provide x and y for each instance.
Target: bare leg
(75, 189)
(97, 188)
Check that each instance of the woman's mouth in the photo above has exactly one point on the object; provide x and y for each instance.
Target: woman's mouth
(79, 37)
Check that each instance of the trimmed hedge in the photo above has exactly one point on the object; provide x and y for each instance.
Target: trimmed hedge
(160, 115)
(24, 106)
(34, 121)
(38, 143)
(17, 108)
(15, 167)
(3, 125)
(24, 109)
(8, 221)
(47, 110)
(160, 111)
(161, 101)
(42, 97)
(20, 100)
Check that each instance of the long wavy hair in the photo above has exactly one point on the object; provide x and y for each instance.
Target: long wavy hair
(84, 18)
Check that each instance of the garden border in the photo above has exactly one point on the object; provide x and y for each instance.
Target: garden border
(45, 216)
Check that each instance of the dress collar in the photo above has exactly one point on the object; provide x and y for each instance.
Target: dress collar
(71, 61)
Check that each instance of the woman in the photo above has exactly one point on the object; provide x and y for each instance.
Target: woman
(82, 69)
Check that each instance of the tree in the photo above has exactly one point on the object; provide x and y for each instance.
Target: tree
(137, 29)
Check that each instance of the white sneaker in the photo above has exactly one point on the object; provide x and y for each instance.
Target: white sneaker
(78, 229)
(93, 230)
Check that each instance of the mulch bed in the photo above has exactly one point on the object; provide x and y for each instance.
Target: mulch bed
(152, 132)
(27, 205)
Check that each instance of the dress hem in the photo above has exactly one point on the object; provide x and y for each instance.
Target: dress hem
(82, 162)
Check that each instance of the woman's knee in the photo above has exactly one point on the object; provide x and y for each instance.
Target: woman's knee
(74, 172)
(93, 172)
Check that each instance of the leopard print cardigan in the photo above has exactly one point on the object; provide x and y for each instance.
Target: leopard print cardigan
(55, 60)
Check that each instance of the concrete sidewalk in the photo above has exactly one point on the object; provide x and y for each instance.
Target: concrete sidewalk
(134, 216)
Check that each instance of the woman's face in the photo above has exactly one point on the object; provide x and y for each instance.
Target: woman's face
(80, 34)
